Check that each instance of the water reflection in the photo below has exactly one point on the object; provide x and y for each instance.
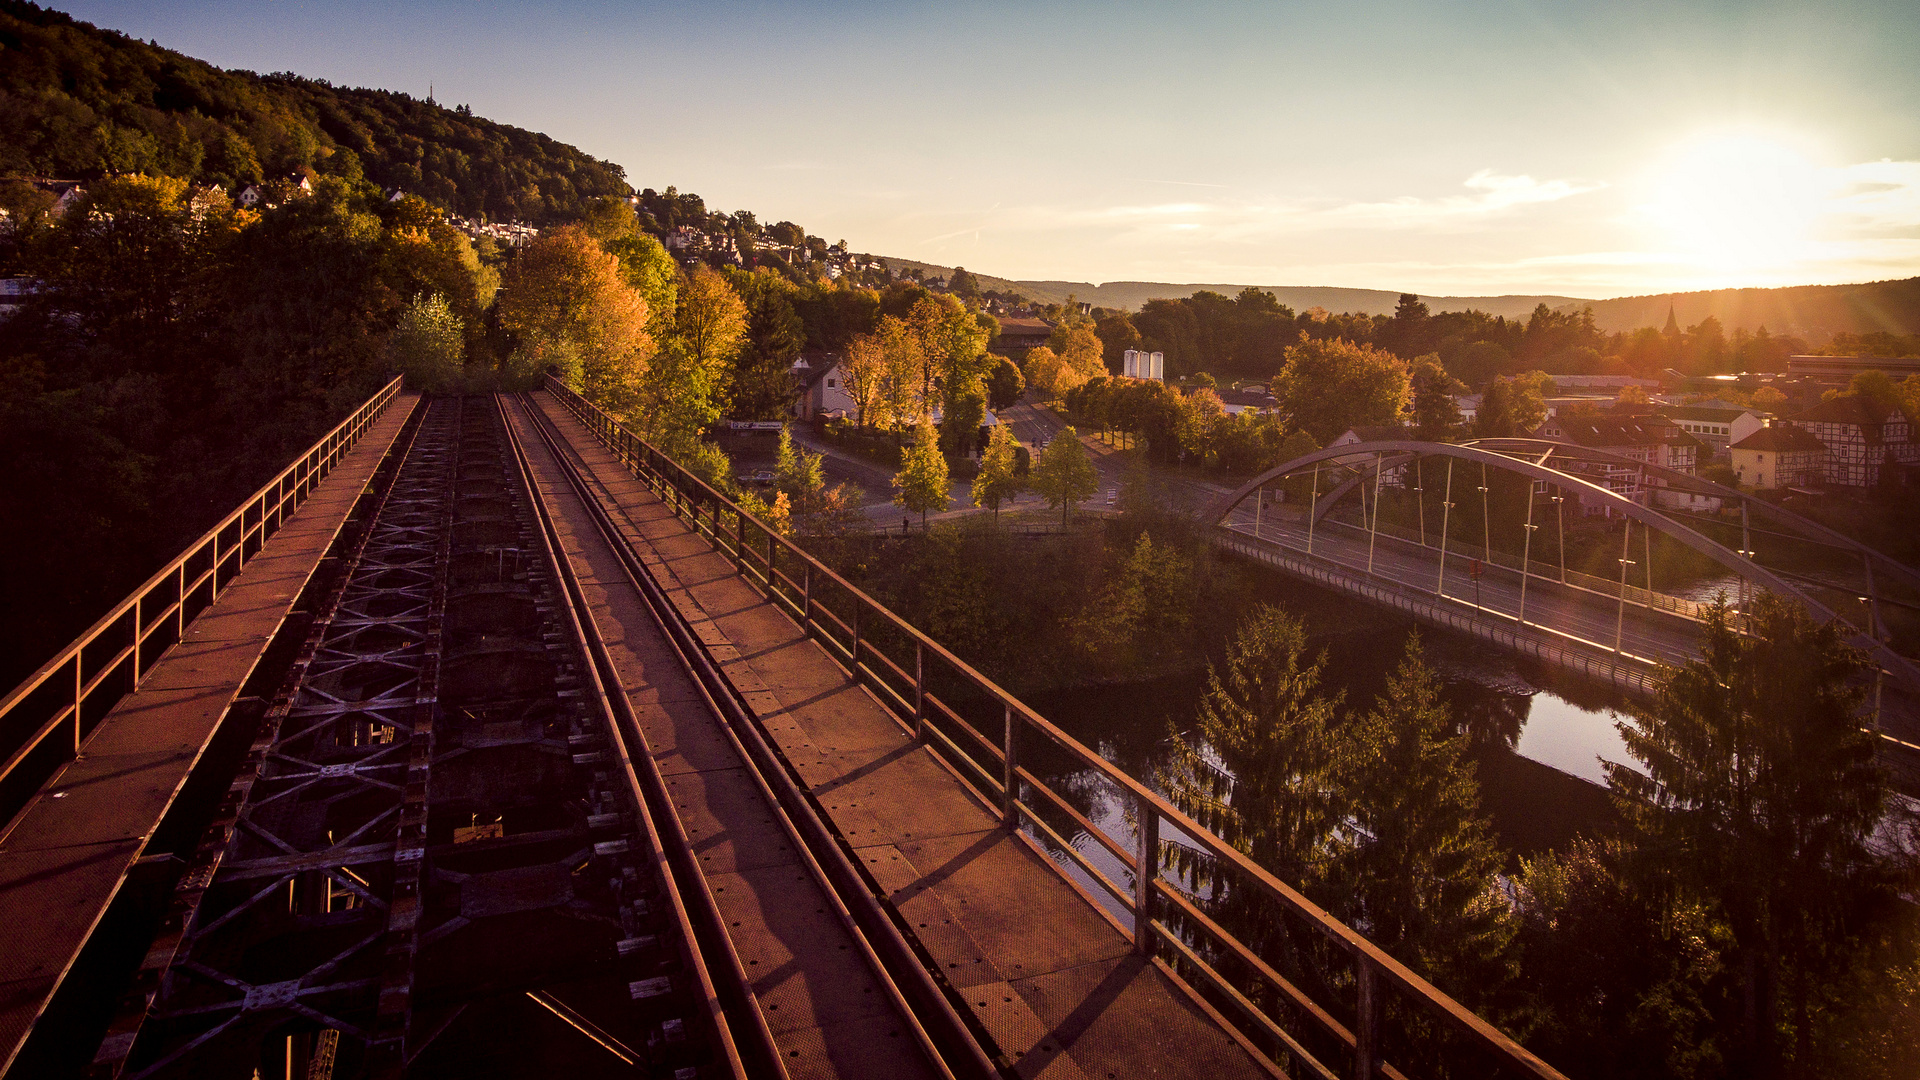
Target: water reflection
(1537, 740)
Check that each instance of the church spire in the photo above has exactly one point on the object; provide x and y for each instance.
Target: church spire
(1673, 324)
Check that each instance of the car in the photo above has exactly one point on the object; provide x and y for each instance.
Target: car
(760, 478)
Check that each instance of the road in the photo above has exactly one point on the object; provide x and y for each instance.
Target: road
(1588, 616)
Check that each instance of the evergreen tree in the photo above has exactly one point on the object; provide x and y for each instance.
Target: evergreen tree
(1269, 791)
(921, 485)
(996, 481)
(1760, 796)
(1419, 863)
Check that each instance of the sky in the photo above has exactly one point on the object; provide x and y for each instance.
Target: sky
(1470, 148)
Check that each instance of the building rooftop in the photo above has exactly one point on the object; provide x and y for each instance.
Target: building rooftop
(1848, 409)
(1603, 431)
(1781, 438)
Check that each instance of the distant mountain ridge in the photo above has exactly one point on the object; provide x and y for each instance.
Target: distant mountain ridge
(1813, 312)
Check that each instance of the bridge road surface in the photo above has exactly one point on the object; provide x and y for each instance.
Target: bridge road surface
(1045, 971)
(1654, 635)
(71, 849)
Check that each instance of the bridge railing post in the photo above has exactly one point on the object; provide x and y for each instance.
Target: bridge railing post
(1009, 774)
(1146, 871)
(1366, 1020)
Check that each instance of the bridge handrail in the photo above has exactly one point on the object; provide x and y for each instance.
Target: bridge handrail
(1743, 564)
(904, 687)
(81, 688)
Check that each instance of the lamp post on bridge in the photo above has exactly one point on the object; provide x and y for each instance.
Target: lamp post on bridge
(1313, 506)
(1620, 621)
(1446, 512)
(1526, 554)
(1373, 531)
(1560, 508)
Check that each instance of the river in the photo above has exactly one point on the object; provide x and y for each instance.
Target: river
(1538, 738)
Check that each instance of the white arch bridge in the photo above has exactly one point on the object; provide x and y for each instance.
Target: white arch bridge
(1582, 558)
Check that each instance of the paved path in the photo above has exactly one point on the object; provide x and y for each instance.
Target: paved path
(1045, 970)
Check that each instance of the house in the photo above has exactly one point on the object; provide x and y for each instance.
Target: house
(1839, 370)
(1236, 402)
(823, 388)
(1862, 437)
(1778, 456)
(1649, 438)
(1019, 335)
(1717, 424)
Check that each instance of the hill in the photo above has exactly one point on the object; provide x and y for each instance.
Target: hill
(1813, 312)
(78, 102)
(1130, 295)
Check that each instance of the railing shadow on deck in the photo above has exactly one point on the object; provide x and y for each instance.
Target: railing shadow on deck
(44, 720)
(1312, 994)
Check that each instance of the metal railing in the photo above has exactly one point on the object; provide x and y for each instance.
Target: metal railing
(1590, 659)
(44, 720)
(1342, 1007)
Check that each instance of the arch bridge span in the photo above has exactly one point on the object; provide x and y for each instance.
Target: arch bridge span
(1623, 623)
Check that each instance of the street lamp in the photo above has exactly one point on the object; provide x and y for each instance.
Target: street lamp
(1620, 620)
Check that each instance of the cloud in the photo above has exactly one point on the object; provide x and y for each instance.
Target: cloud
(1493, 193)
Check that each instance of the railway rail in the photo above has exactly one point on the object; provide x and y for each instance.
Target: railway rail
(452, 849)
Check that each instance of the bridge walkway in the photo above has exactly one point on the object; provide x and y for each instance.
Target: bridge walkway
(1044, 970)
(78, 844)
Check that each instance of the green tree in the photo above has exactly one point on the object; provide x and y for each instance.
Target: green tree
(997, 481)
(1272, 728)
(921, 485)
(1005, 385)
(1761, 795)
(1332, 385)
(1064, 474)
(1420, 861)
(964, 411)
(685, 391)
(1436, 415)
(799, 473)
(428, 345)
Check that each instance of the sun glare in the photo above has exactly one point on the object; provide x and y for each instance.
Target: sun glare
(1737, 200)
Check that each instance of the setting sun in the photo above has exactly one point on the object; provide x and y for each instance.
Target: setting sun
(1737, 200)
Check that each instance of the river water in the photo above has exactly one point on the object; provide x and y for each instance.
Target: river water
(1538, 737)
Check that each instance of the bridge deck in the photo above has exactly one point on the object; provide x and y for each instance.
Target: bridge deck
(70, 850)
(1051, 977)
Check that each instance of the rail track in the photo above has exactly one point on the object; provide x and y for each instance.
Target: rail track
(453, 850)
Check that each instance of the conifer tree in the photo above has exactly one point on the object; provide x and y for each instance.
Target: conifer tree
(1417, 867)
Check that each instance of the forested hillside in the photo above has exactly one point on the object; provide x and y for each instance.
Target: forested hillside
(78, 102)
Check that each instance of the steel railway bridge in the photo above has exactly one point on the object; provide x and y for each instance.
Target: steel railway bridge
(1473, 537)
(486, 742)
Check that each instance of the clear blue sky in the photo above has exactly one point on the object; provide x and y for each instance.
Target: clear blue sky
(1582, 148)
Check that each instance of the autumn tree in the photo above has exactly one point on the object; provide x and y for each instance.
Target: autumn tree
(1046, 373)
(921, 485)
(1330, 386)
(997, 481)
(564, 300)
(1064, 474)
